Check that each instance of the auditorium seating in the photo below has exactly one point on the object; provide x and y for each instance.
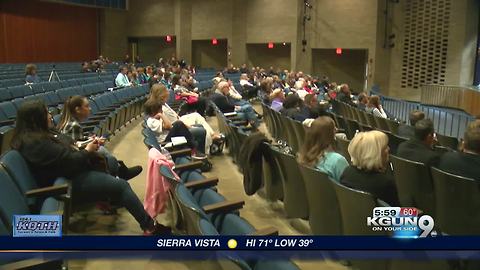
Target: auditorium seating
(13, 202)
(457, 202)
(414, 184)
(294, 194)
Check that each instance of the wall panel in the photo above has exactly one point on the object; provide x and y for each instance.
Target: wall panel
(36, 31)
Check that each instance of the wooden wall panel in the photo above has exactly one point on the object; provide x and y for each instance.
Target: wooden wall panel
(35, 31)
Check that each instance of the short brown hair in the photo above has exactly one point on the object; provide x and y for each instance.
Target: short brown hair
(416, 116)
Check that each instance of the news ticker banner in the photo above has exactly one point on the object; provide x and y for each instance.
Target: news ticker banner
(239, 243)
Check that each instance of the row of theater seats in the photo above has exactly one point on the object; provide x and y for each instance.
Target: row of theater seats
(429, 190)
(13, 75)
(13, 92)
(198, 209)
(205, 82)
(109, 109)
(352, 119)
(329, 207)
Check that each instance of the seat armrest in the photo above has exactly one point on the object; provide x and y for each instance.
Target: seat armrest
(224, 207)
(230, 114)
(7, 122)
(34, 264)
(50, 191)
(269, 231)
(101, 113)
(204, 183)
(188, 166)
(96, 118)
(181, 153)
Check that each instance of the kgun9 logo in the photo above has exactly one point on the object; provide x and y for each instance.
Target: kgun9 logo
(404, 222)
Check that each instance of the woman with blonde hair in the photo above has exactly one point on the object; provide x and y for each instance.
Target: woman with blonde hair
(318, 149)
(370, 170)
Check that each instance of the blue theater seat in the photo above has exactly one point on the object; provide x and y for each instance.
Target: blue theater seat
(12, 202)
(20, 91)
(17, 168)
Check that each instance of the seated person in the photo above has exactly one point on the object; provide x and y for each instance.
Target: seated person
(220, 98)
(249, 89)
(196, 123)
(370, 170)
(311, 108)
(266, 88)
(362, 101)
(31, 74)
(300, 88)
(318, 149)
(374, 107)
(292, 108)
(467, 162)
(345, 95)
(194, 101)
(122, 79)
(277, 97)
(50, 155)
(409, 131)
(76, 110)
(234, 95)
(420, 147)
(159, 123)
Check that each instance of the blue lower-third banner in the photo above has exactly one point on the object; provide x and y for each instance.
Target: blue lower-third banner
(239, 243)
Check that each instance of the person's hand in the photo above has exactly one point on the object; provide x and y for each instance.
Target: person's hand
(158, 116)
(92, 146)
(237, 108)
(101, 141)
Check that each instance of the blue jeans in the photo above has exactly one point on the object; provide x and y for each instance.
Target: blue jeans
(93, 186)
(112, 162)
(241, 102)
(198, 134)
(247, 112)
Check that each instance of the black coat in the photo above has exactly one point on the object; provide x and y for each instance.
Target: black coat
(406, 131)
(222, 102)
(380, 185)
(417, 151)
(463, 164)
(250, 157)
(48, 159)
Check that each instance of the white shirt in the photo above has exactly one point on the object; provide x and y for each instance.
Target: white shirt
(245, 82)
(379, 113)
(122, 80)
(234, 93)
(169, 113)
(156, 125)
(302, 93)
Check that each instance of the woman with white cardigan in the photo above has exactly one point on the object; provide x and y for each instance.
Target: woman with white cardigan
(375, 107)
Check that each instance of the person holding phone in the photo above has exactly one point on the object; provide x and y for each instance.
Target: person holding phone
(49, 156)
(77, 109)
